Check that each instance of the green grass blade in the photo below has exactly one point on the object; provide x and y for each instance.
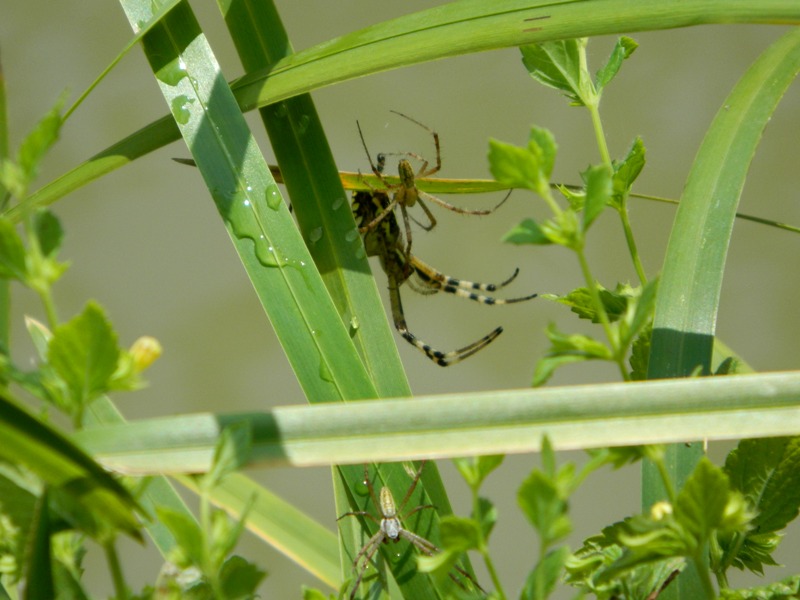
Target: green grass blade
(691, 282)
(573, 417)
(260, 226)
(319, 201)
(448, 30)
(60, 464)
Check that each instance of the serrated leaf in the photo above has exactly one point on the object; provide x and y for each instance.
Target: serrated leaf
(700, 506)
(624, 47)
(788, 589)
(575, 344)
(543, 578)
(767, 472)
(527, 232)
(643, 309)
(84, 353)
(627, 171)
(640, 355)
(598, 193)
(239, 578)
(12, 252)
(615, 302)
(513, 166)
(556, 65)
(545, 367)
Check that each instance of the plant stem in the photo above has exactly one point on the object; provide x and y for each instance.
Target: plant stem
(591, 285)
(120, 589)
(634, 251)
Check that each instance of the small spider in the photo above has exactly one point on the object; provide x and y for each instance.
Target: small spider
(390, 529)
(406, 193)
(386, 243)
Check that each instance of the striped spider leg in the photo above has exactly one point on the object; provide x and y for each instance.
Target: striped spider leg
(386, 243)
(406, 193)
(390, 528)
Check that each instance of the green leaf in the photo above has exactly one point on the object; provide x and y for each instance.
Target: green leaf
(527, 232)
(475, 469)
(627, 171)
(614, 302)
(701, 505)
(543, 578)
(787, 589)
(767, 472)
(513, 166)
(598, 193)
(557, 65)
(624, 47)
(12, 252)
(84, 354)
(66, 468)
(640, 355)
(459, 534)
(487, 516)
(541, 503)
(48, 232)
(187, 534)
(545, 367)
(31, 151)
(527, 168)
(239, 578)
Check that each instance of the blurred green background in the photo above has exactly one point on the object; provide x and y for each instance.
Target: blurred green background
(147, 243)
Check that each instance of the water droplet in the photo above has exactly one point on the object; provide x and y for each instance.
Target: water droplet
(302, 124)
(173, 72)
(362, 488)
(360, 252)
(273, 198)
(354, 324)
(246, 202)
(337, 204)
(352, 235)
(249, 188)
(281, 110)
(324, 372)
(315, 235)
(180, 108)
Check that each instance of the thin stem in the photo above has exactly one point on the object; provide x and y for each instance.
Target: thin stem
(602, 315)
(634, 251)
(483, 548)
(120, 589)
(703, 575)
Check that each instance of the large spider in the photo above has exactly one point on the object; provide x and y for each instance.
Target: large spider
(390, 529)
(406, 193)
(386, 243)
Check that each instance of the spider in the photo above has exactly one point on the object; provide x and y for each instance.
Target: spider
(390, 529)
(406, 193)
(386, 243)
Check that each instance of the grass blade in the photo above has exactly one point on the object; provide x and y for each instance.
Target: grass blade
(448, 30)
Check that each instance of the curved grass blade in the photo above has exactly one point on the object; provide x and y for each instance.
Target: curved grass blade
(260, 226)
(686, 310)
(448, 30)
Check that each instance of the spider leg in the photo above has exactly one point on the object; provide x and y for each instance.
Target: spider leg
(411, 489)
(458, 209)
(367, 553)
(429, 548)
(435, 135)
(443, 359)
(438, 281)
(428, 214)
